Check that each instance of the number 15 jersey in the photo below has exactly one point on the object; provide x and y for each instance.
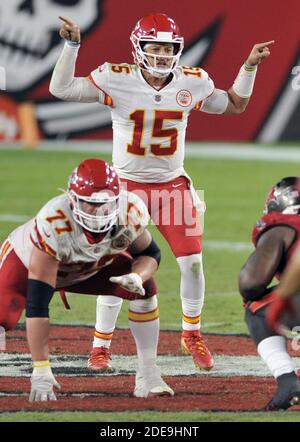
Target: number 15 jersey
(149, 125)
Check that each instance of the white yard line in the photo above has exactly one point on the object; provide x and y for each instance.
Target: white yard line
(13, 218)
(237, 151)
(211, 245)
(19, 365)
(228, 245)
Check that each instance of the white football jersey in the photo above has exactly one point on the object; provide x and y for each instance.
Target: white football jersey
(149, 125)
(55, 231)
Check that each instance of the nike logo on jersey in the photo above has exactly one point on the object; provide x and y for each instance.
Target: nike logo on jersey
(177, 185)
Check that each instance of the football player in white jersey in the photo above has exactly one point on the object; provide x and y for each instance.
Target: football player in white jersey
(93, 240)
(150, 102)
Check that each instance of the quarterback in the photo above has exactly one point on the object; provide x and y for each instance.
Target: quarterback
(150, 102)
(93, 240)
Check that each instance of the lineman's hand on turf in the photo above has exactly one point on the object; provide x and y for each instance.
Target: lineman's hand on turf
(132, 282)
(69, 30)
(259, 52)
(42, 383)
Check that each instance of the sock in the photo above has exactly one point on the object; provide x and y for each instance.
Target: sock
(143, 317)
(191, 290)
(192, 321)
(274, 353)
(108, 309)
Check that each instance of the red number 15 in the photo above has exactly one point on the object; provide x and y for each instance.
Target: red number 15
(158, 131)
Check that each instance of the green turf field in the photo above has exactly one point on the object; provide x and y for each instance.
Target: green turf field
(235, 192)
(151, 416)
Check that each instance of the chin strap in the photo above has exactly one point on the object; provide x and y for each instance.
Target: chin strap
(64, 299)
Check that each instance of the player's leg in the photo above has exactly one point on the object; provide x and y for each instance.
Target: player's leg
(273, 351)
(182, 230)
(108, 306)
(143, 317)
(107, 311)
(192, 299)
(144, 321)
(13, 287)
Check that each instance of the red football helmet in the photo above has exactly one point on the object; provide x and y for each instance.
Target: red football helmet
(284, 197)
(156, 28)
(94, 191)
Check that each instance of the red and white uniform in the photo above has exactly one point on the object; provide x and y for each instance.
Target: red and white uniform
(149, 140)
(149, 125)
(55, 231)
(85, 265)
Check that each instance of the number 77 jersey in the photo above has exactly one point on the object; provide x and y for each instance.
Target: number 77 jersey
(149, 125)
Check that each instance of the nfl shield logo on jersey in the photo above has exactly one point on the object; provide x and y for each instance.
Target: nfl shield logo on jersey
(157, 98)
(121, 243)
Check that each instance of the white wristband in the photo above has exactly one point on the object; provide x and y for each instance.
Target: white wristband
(72, 44)
(244, 82)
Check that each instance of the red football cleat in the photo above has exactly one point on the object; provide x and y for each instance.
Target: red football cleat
(99, 360)
(192, 343)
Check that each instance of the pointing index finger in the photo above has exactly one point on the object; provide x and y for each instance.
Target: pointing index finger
(66, 20)
(262, 45)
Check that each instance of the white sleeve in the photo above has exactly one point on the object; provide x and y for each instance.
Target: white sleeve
(101, 79)
(136, 213)
(43, 236)
(203, 87)
(216, 103)
(208, 84)
(65, 86)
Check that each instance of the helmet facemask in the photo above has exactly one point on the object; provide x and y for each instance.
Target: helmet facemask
(284, 197)
(96, 213)
(141, 57)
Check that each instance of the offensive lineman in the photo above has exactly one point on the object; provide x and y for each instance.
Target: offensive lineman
(90, 240)
(150, 102)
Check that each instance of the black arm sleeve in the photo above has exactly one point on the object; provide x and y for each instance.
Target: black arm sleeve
(152, 250)
(39, 295)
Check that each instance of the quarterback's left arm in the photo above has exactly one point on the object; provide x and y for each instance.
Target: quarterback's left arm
(146, 260)
(236, 99)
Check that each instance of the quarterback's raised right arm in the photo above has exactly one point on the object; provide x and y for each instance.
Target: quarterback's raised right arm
(235, 100)
(64, 84)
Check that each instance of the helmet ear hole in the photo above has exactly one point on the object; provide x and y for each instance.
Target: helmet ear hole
(273, 207)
